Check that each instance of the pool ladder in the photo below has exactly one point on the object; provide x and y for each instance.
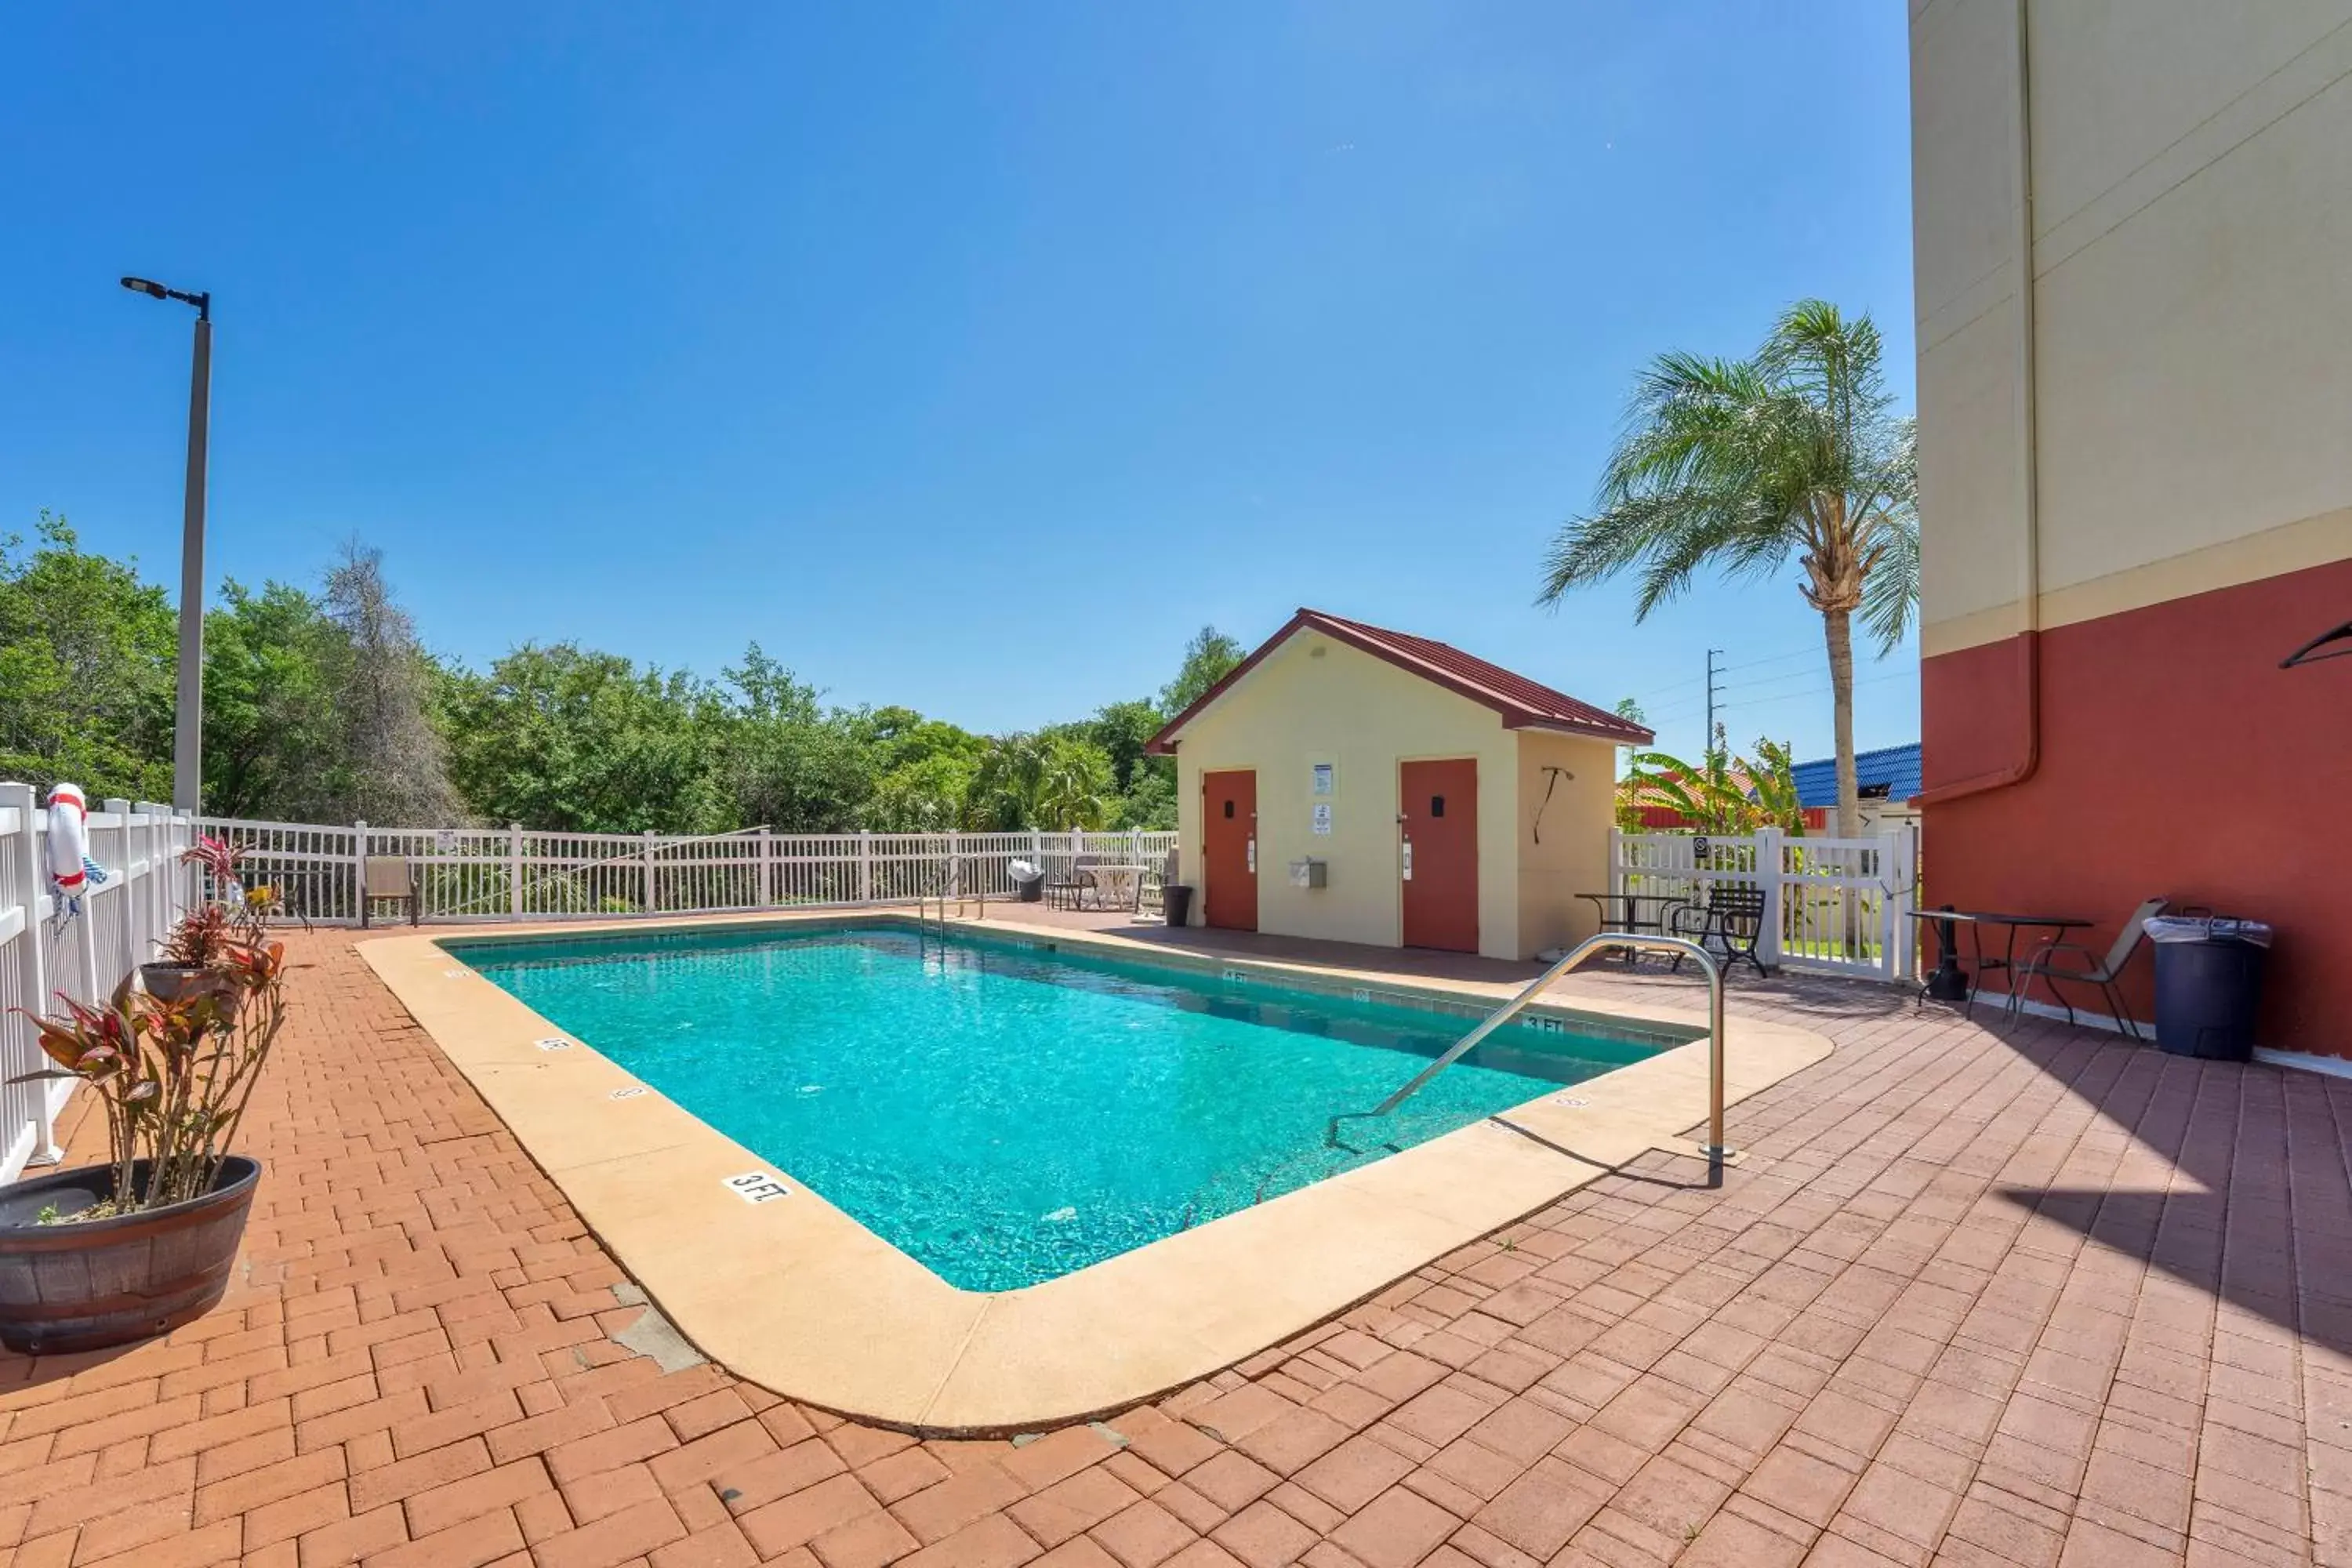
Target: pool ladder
(1713, 1149)
(923, 902)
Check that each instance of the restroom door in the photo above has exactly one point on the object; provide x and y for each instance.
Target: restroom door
(1229, 848)
(1439, 853)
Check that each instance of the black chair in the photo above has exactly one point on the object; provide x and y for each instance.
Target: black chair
(1729, 915)
(1068, 890)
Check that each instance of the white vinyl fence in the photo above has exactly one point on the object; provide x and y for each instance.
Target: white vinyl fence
(514, 873)
(1832, 904)
(84, 958)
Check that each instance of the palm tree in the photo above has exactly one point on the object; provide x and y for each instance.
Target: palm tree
(1739, 464)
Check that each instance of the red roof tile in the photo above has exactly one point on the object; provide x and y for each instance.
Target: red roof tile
(1523, 703)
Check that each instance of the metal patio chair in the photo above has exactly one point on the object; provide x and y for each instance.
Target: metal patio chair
(1068, 890)
(2103, 972)
(1729, 915)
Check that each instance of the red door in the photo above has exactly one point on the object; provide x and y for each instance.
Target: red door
(1229, 850)
(1440, 818)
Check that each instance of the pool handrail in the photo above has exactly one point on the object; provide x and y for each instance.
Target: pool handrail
(1713, 1147)
(923, 902)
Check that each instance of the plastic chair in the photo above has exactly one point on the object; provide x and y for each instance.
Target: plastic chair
(2094, 971)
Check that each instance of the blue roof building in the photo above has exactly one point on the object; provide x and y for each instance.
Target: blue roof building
(1890, 773)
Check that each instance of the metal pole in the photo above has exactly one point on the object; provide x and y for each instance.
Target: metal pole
(188, 721)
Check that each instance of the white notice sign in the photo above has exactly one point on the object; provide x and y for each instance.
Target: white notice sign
(1322, 778)
(1323, 816)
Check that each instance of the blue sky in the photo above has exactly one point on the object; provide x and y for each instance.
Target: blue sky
(966, 357)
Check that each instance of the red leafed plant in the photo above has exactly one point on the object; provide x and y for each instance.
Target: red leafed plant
(175, 1076)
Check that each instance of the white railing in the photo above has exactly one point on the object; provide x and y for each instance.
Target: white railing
(515, 873)
(85, 957)
(1833, 904)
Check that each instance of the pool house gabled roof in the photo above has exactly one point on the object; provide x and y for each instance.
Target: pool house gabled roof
(1524, 704)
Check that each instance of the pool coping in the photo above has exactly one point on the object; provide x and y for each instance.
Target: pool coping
(793, 1294)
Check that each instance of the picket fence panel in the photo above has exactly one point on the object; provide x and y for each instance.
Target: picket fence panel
(1838, 905)
(42, 957)
(519, 874)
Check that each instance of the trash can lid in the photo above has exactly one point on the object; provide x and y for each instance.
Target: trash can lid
(2206, 928)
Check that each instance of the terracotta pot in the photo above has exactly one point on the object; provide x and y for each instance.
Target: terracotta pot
(93, 1283)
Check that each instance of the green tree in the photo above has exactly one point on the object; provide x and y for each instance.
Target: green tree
(1208, 658)
(1741, 463)
(1039, 781)
(783, 762)
(87, 652)
(559, 738)
(273, 736)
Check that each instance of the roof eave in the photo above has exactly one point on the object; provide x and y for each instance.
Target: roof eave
(1627, 737)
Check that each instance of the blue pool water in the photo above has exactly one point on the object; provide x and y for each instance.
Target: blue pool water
(1006, 1116)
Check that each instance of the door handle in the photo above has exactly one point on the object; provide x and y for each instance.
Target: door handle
(1408, 859)
(1252, 856)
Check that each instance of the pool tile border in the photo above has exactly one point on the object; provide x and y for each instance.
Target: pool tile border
(795, 1295)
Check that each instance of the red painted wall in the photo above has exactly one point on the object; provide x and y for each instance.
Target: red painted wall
(2177, 758)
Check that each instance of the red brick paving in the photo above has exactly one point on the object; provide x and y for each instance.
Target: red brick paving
(2042, 1299)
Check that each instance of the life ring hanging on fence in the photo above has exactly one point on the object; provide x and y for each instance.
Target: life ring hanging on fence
(72, 872)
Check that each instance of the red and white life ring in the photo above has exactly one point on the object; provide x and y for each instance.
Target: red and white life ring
(69, 839)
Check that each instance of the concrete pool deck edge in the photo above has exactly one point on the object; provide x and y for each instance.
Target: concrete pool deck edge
(795, 1295)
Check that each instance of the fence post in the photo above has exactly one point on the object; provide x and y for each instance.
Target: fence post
(149, 925)
(359, 871)
(1772, 871)
(1134, 847)
(32, 983)
(767, 864)
(1617, 879)
(514, 868)
(647, 855)
(865, 865)
(1899, 874)
(160, 863)
(955, 864)
(119, 901)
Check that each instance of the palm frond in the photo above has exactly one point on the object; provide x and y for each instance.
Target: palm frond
(1890, 590)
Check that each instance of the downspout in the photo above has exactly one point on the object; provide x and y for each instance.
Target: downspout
(2028, 641)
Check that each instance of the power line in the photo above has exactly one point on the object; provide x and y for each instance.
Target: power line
(1776, 659)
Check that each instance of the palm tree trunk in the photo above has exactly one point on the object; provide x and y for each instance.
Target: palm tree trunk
(1837, 626)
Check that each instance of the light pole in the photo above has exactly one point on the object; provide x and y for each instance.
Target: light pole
(188, 718)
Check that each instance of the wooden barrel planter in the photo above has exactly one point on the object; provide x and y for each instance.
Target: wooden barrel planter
(92, 1283)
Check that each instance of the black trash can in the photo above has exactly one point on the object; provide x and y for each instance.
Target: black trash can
(1177, 897)
(1029, 889)
(2209, 982)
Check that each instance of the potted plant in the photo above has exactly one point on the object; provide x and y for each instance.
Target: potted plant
(194, 954)
(104, 1254)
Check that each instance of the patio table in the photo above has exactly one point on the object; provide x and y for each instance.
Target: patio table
(1623, 912)
(1123, 884)
(1975, 920)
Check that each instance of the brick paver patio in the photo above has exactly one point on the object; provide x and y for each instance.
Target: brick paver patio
(2043, 1299)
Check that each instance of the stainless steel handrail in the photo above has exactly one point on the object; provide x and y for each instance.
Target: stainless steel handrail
(923, 902)
(1713, 1147)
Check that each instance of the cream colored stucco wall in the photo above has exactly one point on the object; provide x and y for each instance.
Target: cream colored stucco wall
(2191, 165)
(1572, 855)
(1314, 700)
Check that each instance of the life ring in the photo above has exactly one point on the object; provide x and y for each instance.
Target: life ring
(69, 839)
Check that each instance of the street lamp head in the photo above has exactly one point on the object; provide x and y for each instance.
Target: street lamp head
(155, 290)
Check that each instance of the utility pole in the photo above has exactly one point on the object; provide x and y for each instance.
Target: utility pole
(1714, 695)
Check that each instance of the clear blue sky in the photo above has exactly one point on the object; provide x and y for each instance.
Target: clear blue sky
(966, 357)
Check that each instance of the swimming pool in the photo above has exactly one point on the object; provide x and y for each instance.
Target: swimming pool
(1006, 1116)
